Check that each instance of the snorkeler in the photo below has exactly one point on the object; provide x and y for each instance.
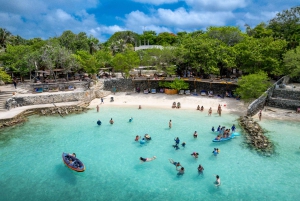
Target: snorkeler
(177, 164)
(147, 159)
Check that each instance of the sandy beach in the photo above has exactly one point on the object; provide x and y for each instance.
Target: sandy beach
(164, 101)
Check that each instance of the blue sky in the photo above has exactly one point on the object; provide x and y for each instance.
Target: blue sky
(101, 18)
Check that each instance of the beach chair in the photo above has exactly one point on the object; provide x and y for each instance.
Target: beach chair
(146, 91)
(203, 93)
(181, 92)
(153, 91)
(187, 92)
(174, 105)
(210, 94)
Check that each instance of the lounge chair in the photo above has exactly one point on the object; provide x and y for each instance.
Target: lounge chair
(146, 91)
(210, 94)
(153, 91)
(195, 92)
(181, 92)
(174, 105)
(203, 93)
(187, 92)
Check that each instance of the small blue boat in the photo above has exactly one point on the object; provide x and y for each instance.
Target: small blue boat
(72, 162)
(223, 139)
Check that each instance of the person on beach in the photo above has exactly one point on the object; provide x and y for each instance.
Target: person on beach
(213, 129)
(97, 108)
(218, 180)
(180, 171)
(195, 134)
(111, 121)
(170, 124)
(259, 115)
(200, 169)
(198, 107)
(202, 108)
(209, 111)
(219, 109)
(140, 107)
(15, 82)
(102, 101)
(177, 164)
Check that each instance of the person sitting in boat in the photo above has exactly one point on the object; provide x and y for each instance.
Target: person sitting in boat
(200, 169)
(202, 108)
(147, 137)
(195, 134)
(198, 107)
(137, 138)
(74, 154)
(111, 121)
(218, 137)
(183, 144)
(195, 154)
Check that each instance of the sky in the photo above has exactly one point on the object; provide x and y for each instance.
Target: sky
(102, 18)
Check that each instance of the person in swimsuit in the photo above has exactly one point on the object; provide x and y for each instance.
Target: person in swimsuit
(170, 124)
(218, 181)
(195, 134)
(177, 164)
(111, 121)
(143, 159)
(200, 169)
(180, 171)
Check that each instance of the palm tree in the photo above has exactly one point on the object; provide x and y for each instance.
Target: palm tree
(5, 37)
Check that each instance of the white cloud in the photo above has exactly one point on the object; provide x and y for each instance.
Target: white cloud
(156, 2)
(216, 5)
(180, 19)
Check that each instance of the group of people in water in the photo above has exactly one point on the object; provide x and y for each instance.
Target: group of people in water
(219, 110)
(223, 132)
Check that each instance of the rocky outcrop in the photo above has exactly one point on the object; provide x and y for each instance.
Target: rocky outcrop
(255, 137)
(62, 111)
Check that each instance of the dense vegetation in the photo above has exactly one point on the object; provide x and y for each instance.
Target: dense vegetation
(271, 48)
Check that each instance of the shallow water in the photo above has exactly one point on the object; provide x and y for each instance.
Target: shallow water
(32, 168)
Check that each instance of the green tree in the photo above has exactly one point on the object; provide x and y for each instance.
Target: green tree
(4, 76)
(124, 62)
(147, 36)
(177, 84)
(166, 39)
(286, 25)
(292, 62)
(88, 62)
(252, 86)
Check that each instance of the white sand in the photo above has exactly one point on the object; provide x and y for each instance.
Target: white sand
(160, 100)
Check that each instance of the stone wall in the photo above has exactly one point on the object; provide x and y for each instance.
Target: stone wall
(283, 103)
(125, 85)
(286, 94)
(49, 98)
(259, 103)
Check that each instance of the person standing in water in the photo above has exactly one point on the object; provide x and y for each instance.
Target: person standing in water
(111, 121)
(218, 181)
(97, 108)
(170, 124)
(209, 111)
(259, 115)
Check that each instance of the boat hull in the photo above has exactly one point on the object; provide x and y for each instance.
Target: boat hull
(73, 163)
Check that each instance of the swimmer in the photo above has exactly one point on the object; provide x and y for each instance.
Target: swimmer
(195, 134)
(219, 128)
(183, 144)
(200, 169)
(215, 152)
(147, 159)
(99, 122)
(180, 171)
(137, 138)
(170, 124)
(147, 137)
(209, 111)
(213, 129)
(177, 141)
(176, 146)
(177, 164)
(195, 154)
(218, 181)
(130, 120)
(111, 121)
(233, 128)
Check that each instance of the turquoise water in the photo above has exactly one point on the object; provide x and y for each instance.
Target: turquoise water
(32, 167)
